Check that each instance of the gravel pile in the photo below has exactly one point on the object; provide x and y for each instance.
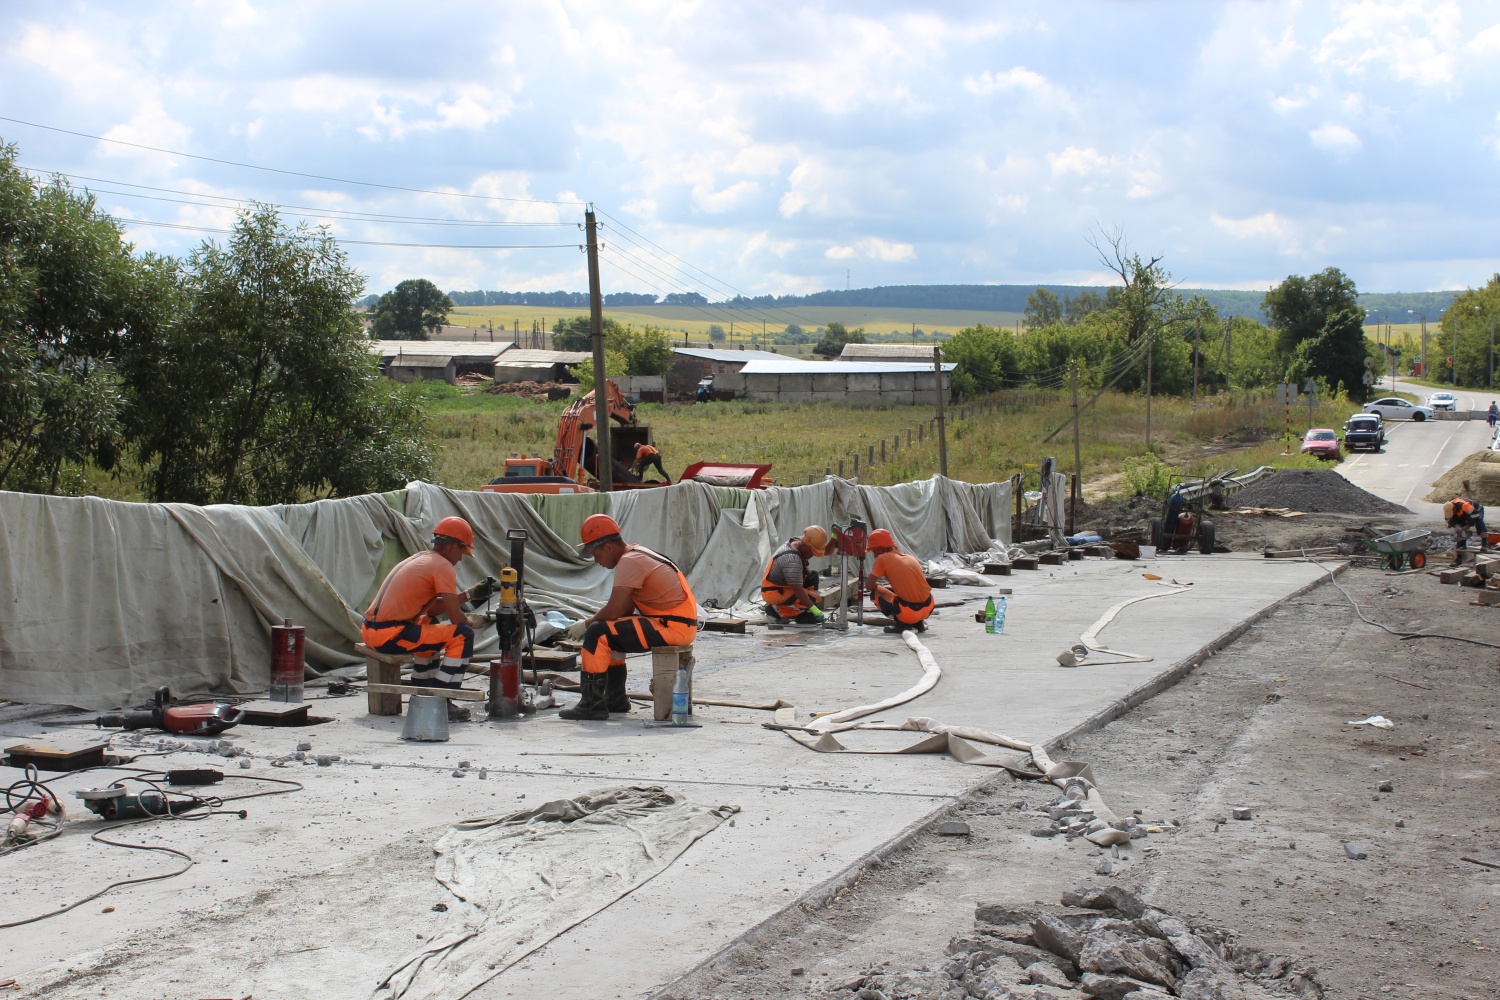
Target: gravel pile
(1313, 491)
(1100, 944)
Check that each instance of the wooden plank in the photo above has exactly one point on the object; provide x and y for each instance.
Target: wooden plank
(1075, 555)
(996, 569)
(458, 694)
(937, 582)
(1052, 558)
(1327, 550)
(1026, 562)
(545, 658)
(732, 625)
(1488, 598)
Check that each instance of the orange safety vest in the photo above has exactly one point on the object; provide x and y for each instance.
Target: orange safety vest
(778, 593)
(685, 613)
(644, 451)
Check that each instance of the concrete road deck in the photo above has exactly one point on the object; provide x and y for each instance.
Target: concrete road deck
(343, 849)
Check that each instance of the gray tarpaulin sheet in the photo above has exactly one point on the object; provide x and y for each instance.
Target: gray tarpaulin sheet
(101, 602)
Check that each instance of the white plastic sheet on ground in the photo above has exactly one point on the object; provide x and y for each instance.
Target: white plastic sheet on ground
(521, 880)
(105, 601)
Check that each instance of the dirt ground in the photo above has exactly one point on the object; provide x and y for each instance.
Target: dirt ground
(1261, 725)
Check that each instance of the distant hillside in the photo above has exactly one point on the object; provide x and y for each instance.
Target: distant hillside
(1394, 306)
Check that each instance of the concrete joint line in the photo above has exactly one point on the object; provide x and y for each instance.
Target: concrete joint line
(818, 896)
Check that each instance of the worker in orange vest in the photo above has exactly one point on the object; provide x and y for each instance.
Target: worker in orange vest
(416, 592)
(908, 600)
(1463, 516)
(789, 587)
(647, 456)
(650, 605)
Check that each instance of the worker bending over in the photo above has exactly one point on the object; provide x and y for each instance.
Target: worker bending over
(1463, 516)
(908, 600)
(646, 457)
(419, 590)
(650, 605)
(789, 587)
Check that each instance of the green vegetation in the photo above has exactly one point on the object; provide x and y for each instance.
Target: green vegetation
(239, 375)
(1473, 315)
(414, 310)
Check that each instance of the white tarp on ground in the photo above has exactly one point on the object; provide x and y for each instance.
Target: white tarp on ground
(101, 602)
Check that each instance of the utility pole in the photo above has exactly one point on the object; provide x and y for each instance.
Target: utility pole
(604, 466)
(937, 368)
(1453, 369)
(1492, 351)
(1077, 492)
(1197, 340)
(1150, 346)
(1228, 355)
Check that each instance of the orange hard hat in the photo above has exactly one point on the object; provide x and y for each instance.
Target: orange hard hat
(457, 529)
(815, 537)
(881, 539)
(597, 528)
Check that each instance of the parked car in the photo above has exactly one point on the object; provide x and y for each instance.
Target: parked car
(1322, 442)
(1396, 408)
(1443, 401)
(1364, 430)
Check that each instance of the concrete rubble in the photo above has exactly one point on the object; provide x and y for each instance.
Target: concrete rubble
(1100, 943)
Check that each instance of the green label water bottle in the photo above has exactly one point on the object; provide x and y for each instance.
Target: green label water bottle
(989, 615)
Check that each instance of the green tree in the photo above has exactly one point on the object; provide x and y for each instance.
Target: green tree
(72, 296)
(263, 390)
(1476, 314)
(1076, 307)
(413, 310)
(716, 333)
(1043, 308)
(835, 337)
(1321, 329)
(647, 351)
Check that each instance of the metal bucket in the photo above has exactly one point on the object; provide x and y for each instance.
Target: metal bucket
(426, 719)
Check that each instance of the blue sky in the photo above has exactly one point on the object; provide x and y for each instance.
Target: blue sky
(773, 146)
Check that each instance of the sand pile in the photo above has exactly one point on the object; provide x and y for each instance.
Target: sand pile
(1481, 470)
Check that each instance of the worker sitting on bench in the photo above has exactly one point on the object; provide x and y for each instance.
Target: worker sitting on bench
(650, 605)
(647, 457)
(789, 588)
(908, 601)
(418, 590)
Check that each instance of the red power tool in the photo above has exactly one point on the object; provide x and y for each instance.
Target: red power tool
(203, 719)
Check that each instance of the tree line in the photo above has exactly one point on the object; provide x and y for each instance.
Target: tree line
(238, 374)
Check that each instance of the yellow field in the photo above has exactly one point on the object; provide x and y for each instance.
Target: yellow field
(692, 323)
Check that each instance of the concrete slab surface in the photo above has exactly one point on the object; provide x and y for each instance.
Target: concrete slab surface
(329, 884)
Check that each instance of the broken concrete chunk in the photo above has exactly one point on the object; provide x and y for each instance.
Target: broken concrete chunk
(1386, 786)
(1356, 851)
(1109, 953)
(1043, 974)
(1108, 837)
(999, 913)
(1044, 831)
(1240, 812)
(1057, 937)
(1026, 956)
(1104, 867)
(1211, 984)
(1107, 898)
(953, 828)
(305, 745)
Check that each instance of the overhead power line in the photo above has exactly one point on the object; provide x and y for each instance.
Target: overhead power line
(128, 223)
(279, 170)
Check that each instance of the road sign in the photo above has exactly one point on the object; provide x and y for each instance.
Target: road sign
(1369, 378)
(1311, 388)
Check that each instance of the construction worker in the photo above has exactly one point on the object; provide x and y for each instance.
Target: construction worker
(789, 587)
(650, 605)
(646, 457)
(908, 600)
(421, 588)
(1463, 516)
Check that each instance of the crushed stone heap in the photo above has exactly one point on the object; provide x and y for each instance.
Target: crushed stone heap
(1313, 491)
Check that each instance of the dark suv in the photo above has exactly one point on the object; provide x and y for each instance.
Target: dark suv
(1364, 430)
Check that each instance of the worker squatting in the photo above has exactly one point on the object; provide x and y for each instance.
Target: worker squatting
(650, 605)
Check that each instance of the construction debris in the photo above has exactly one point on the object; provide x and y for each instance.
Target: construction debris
(1104, 942)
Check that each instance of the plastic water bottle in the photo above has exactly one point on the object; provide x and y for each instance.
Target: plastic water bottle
(999, 626)
(989, 615)
(680, 707)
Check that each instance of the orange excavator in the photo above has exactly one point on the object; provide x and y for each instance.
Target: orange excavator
(573, 467)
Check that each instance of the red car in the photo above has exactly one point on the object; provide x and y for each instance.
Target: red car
(1323, 443)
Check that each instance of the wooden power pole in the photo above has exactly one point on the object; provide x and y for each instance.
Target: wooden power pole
(604, 466)
(1150, 344)
(937, 368)
(1076, 493)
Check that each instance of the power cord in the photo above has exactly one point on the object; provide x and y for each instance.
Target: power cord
(1403, 636)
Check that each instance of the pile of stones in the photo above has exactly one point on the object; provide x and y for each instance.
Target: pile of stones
(1103, 944)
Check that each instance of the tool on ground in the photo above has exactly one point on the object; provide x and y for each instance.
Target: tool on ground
(115, 801)
(511, 626)
(202, 719)
(31, 801)
(287, 663)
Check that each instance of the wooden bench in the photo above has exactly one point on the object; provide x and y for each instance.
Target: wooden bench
(383, 685)
(664, 663)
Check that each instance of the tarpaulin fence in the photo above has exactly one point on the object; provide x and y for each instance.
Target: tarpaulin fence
(101, 601)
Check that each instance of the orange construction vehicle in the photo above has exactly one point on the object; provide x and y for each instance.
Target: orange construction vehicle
(573, 465)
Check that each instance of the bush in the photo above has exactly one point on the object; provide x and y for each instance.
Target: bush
(1146, 476)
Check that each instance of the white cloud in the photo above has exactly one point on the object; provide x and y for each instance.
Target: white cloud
(1410, 40)
(1084, 161)
(873, 248)
(1267, 224)
(1018, 78)
(1335, 138)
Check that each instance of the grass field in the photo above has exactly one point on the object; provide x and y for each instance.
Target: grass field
(693, 323)
(478, 431)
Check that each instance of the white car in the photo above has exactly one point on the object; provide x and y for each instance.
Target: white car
(1396, 408)
(1443, 401)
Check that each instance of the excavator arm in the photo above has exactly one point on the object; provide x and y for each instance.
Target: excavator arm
(576, 421)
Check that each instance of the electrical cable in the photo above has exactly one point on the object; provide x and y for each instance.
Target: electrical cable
(1403, 636)
(128, 223)
(286, 173)
(615, 256)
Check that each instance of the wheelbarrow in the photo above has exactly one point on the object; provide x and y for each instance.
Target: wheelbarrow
(1403, 550)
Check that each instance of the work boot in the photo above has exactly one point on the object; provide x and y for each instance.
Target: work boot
(458, 713)
(593, 703)
(616, 700)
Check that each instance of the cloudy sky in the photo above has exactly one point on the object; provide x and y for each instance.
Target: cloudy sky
(777, 147)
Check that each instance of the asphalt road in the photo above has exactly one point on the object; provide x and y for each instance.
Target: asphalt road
(1415, 454)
